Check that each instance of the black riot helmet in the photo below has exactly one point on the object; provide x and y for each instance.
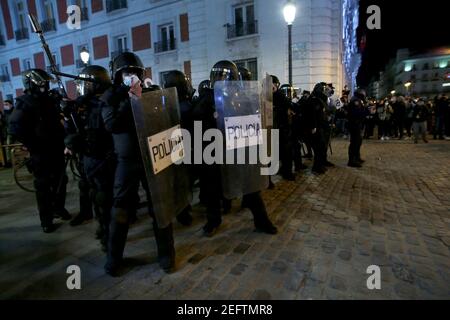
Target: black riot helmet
(361, 94)
(224, 70)
(36, 80)
(179, 80)
(287, 90)
(245, 74)
(203, 86)
(275, 81)
(323, 89)
(100, 83)
(129, 62)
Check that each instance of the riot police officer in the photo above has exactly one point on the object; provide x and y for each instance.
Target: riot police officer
(316, 123)
(210, 175)
(130, 172)
(356, 115)
(95, 147)
(36, 122)
(282, 113)
(295, 121)
(178, 80)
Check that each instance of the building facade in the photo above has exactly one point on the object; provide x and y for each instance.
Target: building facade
(187, 35)
(425, 75)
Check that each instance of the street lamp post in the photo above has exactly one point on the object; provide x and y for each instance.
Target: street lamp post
(289, 12)
(84, 55)
(407, 86)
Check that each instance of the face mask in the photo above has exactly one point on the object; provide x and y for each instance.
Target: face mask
(129, 79)
(7, 107)
(42, 89)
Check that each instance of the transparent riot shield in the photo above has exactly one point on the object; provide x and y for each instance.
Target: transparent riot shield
(240, 117)
(157, 119)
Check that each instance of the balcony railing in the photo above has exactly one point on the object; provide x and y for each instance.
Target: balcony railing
(242, 29)
(114, 54)
(48, 25)
(164, 46)
(112, 5)
(49, 69)
(4, 77)
(2, 40)
(84, 14)
(22, 34)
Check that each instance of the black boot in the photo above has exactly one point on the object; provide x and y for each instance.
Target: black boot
(260, 217)
(185, 217)
(80, 218)
(166, 248)
(116, 241)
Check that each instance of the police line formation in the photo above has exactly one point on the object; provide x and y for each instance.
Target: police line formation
(117, 119)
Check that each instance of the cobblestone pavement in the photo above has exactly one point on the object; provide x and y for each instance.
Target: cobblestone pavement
(394, 213)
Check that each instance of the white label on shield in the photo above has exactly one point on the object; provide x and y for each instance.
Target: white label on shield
(243, 131)
(166, 148)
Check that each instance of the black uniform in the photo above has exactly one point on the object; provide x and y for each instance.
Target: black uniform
(37, 123)
(356, 115)
(315, 118)
(283, 122)
(129, 174)
(95, 146)
(211, 181)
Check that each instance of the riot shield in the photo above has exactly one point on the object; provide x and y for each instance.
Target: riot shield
(157, 118)
(240, 117)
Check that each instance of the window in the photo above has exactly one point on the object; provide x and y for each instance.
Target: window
(26, 64)
(22, 30)
(55, 58)
(251, 65)
(166, 38)
(48, 23)
(4, 73)
(244, 21)
(79, 62)
(120, 45)
(21, 15)
(48, 9)
(82, 4)
(112, 5)
(163, 78)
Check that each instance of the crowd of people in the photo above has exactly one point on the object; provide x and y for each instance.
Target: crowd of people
(399, 117)
(100, 129)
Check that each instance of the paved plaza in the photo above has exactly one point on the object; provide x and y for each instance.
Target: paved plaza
(393, 213)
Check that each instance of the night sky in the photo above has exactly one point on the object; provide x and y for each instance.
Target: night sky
(418, 25)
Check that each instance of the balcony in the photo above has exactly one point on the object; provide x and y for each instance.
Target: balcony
(21, 34)
(2, 40)
(48, 25)
(114, 54)
(242, 29)
(84, 14)
(164, 46)
(112, 5)
(4, 77)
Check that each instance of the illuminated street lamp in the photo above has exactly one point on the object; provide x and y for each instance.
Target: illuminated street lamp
(407, 86)
(289, 12)
(392, 92)
(84, 55)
